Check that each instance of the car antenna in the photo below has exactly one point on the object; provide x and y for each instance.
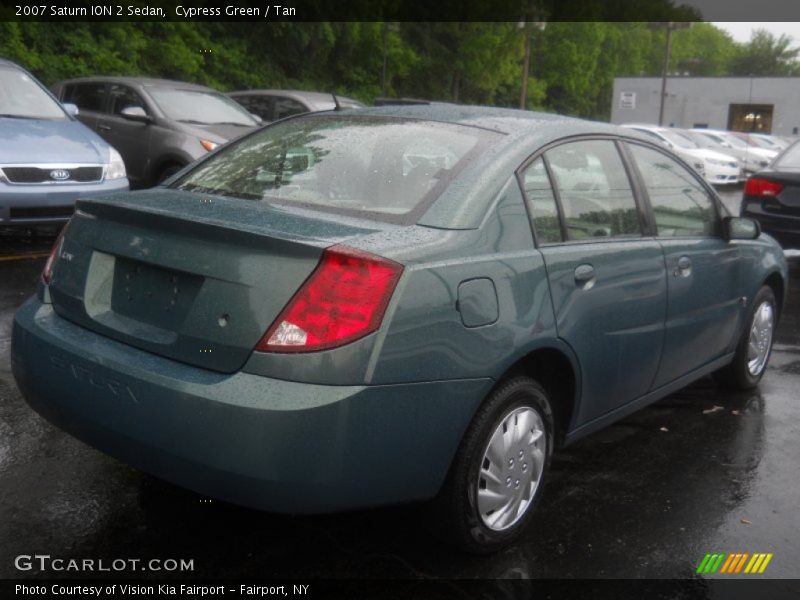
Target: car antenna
(336, 102)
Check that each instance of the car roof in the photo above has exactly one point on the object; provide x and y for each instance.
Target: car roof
(465, 201)
(319, 99)
(8, 63)
(502, 120)
(144, 81)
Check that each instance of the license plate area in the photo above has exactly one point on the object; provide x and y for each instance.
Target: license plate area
(152, 295)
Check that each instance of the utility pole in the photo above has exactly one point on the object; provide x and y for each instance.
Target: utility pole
(664, 72)
(528, 26)
(670, 27)
(526, 63)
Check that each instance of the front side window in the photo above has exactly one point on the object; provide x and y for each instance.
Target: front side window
(21, 97)
(89, 97)
(594, 189)
(286, 107)
(681, 206)
(124, 97)
(257, 104)
(384, 168)
(198, 107)
(542, 203)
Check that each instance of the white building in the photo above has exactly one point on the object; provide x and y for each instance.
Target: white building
(765, 104)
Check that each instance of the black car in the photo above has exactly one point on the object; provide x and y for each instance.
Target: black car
(772, 197)
(272, 105)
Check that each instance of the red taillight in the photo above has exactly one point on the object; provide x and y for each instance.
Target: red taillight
(343, 300)
(47, 272)
(756, 186)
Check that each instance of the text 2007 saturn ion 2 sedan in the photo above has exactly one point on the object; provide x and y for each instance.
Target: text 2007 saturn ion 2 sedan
(345, 310)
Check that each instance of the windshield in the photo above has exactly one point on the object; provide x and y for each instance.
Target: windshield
(21, 97)
(384, 168)
(734, 141)
(790, 159)
(677, 138)
(763, 142)
(200, 107)
(703, 140)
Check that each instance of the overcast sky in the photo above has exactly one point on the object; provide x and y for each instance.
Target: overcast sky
(741, 31)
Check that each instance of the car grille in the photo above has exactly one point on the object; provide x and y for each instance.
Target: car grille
(53, 174)
(47, 212)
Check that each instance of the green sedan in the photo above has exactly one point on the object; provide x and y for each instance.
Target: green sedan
(351, 309)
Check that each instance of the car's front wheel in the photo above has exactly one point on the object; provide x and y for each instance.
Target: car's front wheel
(755, 346)
(496, 478)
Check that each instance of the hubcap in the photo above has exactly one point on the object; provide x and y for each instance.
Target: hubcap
(760, 339)
(511, 468)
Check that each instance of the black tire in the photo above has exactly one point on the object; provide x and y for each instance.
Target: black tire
(738, 375)
(456, 507)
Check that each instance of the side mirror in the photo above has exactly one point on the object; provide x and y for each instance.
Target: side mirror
(72, 109)
(739, 228)
(135, 113)
(258, 119)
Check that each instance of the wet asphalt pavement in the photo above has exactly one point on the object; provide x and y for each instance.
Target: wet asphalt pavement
(702, 471)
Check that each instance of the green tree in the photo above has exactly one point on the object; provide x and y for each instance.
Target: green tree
(766, 55)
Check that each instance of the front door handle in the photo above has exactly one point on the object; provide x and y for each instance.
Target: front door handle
(104, 127)
(585, 276)
(684, 267)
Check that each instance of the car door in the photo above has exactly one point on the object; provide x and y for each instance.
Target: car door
(90, 97)
(607, 279)
(130, 138)
(703, 269)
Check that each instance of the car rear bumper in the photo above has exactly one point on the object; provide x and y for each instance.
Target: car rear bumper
(270, 444)
(784, 228)
(42, 204)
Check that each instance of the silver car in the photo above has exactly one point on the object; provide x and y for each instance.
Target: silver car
(158, 126)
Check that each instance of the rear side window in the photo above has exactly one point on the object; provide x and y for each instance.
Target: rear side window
(542, 203)
(681, 206)
(86, 96)
(385, 168)
(594, 190)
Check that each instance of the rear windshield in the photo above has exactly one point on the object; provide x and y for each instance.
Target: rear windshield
(21, 97)
(376, 167)
(790, 159)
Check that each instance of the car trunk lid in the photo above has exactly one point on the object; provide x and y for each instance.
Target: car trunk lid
(190, 277)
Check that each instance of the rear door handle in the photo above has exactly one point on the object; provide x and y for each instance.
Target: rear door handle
(104, 127)
(585, 276)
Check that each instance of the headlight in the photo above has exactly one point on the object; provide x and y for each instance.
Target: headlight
(209, 146)
(116, 167)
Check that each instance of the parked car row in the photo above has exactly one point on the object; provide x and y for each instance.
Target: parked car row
(109, 133)
(722, 157)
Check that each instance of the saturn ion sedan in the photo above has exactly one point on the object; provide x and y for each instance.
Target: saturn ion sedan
(346, 310)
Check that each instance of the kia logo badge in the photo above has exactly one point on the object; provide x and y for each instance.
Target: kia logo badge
(59, 174)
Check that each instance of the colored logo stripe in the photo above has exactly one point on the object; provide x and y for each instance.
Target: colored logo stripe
(734, 563)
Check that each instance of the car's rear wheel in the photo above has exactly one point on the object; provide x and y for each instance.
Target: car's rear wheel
(496, 478)
(755, 346)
